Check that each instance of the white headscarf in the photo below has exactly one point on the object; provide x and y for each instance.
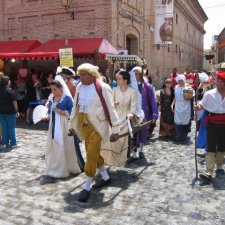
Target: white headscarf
(133, 83)
(203, 77)
(65, 90)
(58, 134)
(180, 77)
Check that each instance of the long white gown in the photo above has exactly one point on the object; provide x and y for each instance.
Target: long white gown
(115, 153)
(60, 156)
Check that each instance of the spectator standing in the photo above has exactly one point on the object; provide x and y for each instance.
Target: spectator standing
(20, 91)
(173, 76)
(1, 75)
(167, 115)
(8, 110)
(45, 85)
(32, 94)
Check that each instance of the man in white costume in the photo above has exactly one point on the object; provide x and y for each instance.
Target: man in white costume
(92, 115)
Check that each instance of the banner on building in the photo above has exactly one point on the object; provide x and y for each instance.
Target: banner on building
(66, 57)
(164, 22)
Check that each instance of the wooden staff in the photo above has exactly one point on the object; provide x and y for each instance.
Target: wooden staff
(196, 130)
(136, 129)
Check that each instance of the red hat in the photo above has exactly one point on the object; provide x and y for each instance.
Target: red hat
(221, 75)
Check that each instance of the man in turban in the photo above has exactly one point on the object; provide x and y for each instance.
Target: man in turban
(93, 118)
(214, 103)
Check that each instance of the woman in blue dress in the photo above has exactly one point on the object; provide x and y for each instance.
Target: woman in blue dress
(61, 160)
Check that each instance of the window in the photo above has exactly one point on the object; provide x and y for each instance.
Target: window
(168, 48)
(158, 46)
(176, 49)
(176, 18)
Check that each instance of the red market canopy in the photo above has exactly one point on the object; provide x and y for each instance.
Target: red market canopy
(82, 48)
(18, 46)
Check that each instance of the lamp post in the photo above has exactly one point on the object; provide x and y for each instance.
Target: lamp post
(66, 4)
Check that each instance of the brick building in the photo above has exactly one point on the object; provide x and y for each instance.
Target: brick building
(221, 46)
(127, 24)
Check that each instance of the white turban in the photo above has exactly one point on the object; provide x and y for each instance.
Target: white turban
(203, 77)
(180, 77)
(137, 68)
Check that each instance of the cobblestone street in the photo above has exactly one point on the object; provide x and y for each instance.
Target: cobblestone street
(157, 190)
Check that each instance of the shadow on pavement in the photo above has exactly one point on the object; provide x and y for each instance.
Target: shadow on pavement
(197, 182)
(21, 123)
(165, 139)
(5, 150)
(121, 179)
(218, 182)
(51, 181)
(201, 155)
(139, 163)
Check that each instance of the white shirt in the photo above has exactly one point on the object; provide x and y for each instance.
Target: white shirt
(213, 102)
(86, 96)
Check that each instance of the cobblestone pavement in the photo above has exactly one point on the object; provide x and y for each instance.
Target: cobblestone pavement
(157, 190)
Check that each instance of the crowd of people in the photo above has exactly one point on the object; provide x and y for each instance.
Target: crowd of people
(85, 107)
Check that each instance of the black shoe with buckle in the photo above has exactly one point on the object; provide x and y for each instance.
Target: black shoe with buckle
(141, 155)
(84, 195)
(205, 176)
(101, 183)
(47, 180)
(131, 159)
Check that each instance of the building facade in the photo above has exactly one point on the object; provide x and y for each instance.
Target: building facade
(221, 46)
(127, 24)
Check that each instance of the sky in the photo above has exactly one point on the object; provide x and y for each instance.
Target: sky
(215, 10)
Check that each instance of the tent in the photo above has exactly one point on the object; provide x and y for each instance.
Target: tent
(82, 48)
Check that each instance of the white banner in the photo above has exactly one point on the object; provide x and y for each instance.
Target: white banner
(164, 22)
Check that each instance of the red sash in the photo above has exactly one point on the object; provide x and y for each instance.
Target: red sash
(215, 119)
(98, 88)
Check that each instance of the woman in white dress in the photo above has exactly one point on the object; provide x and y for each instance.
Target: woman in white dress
(61, 160)
(182, 111)
(125, 100)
